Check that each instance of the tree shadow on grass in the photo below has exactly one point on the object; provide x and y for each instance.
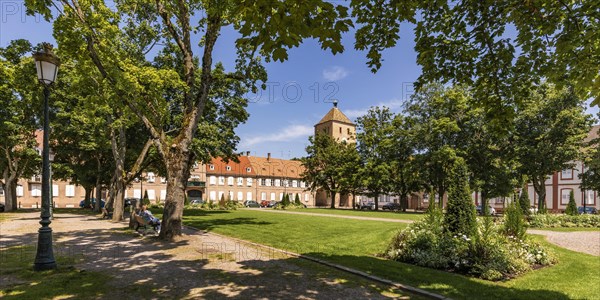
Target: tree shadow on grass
(454, 286)
(209, 225)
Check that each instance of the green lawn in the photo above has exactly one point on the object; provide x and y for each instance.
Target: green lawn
(66, 282)
(354, 243)
(363, 213)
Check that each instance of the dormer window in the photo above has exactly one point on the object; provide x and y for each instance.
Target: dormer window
(211, 167)
(248, 169)
(228, 168)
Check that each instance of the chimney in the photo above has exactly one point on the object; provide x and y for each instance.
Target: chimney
(269, 156)
(247, 153)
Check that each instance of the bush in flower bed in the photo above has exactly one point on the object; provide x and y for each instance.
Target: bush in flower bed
(552, 220)
(487, 254)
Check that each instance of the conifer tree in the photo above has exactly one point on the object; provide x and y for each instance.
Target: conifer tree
(572, 206)
(460, 217)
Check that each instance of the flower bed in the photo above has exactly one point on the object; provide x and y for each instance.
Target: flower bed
(489, 254)
(551, 220)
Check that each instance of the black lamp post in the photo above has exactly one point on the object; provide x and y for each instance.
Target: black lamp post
(46, 64)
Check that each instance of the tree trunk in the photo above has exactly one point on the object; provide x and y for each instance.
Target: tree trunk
(332, 193)
(540, 189)
(404, 202)
(88, 195)
(441, 192)
(484, 203)
(377, 202)
(353, 201)
(10, 191)
(178, 172)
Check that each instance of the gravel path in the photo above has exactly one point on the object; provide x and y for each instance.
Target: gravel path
(197, 265)
(331, 215)
(580, 241)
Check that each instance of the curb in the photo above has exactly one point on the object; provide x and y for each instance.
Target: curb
(365, 275)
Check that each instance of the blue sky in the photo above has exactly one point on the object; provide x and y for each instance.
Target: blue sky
(300, 90)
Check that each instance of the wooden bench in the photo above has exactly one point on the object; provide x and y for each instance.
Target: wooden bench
(141, 223)
(106, 214)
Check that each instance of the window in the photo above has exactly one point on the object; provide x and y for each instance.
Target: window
(249, 196)
(228, 168)
(220, 195)
(211, 167)
(263, 196)
(36, 178)
(268, 182)
(55, 190)
(305, 197)
(212, 180)
(151, 195)
(70, 191)
(263, 182)
(36, 189)
(248, 169)
(229, 196)
(277, 182)
(163, 180)
(348, 129)
(19, 191)
(163, 195)
(566, 174)
(294, 183)
(137, 193)
(240, 181)
(240, 196)
(284, 182)
(302, 184)
(151, 177)
(500, 200)
(249, 181)
(281, 196)
(340, 129)
(213, 195)
(221, 180)
(195, 166)
(272, 196)
(565, 194)
(590, 197)
(230, 180)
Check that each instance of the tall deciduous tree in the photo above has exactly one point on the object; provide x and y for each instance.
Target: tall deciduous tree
(440, 116)
(497, 47)
(186, 115)
(19, 102)
(328, 165)
(404, 168)
(375, 147)
(550, 131)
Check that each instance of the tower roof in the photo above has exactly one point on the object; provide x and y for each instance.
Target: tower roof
(335, 115)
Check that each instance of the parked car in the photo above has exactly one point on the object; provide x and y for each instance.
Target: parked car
(391, 206)
(196, 202)
(491, 210)
(367, 205)
(92, 202)
(251, 203)
(2, 207)
(272, 203)
(588, 210)
(264, 203)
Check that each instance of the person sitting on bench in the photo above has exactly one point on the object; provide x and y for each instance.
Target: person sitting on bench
(148, 217)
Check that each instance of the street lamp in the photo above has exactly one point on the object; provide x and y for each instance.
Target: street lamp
(46, 64)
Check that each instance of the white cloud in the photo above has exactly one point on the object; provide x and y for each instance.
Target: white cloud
(286, 134)
(394, 105)
(335, 73)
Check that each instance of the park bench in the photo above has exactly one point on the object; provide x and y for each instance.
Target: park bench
(106, 214)
(141, 223)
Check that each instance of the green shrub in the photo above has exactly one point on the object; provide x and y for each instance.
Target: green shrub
(285, 202)
(572, 206)
(222, 201)
(460, 216)
(488, 254)
(186, 200)
(297, 200)
(524, 203)
(514, 225)
(554, 221)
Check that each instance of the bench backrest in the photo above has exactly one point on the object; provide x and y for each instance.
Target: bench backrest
(140, 220)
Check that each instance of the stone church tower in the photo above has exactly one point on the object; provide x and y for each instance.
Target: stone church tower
(338, 126)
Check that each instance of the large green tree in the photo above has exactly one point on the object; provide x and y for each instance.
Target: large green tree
(404, 169)
(375, 138)
(19, 106)
(550, 131)
(329, 165)
(440, 117)
(187, 117)
(497, 47)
